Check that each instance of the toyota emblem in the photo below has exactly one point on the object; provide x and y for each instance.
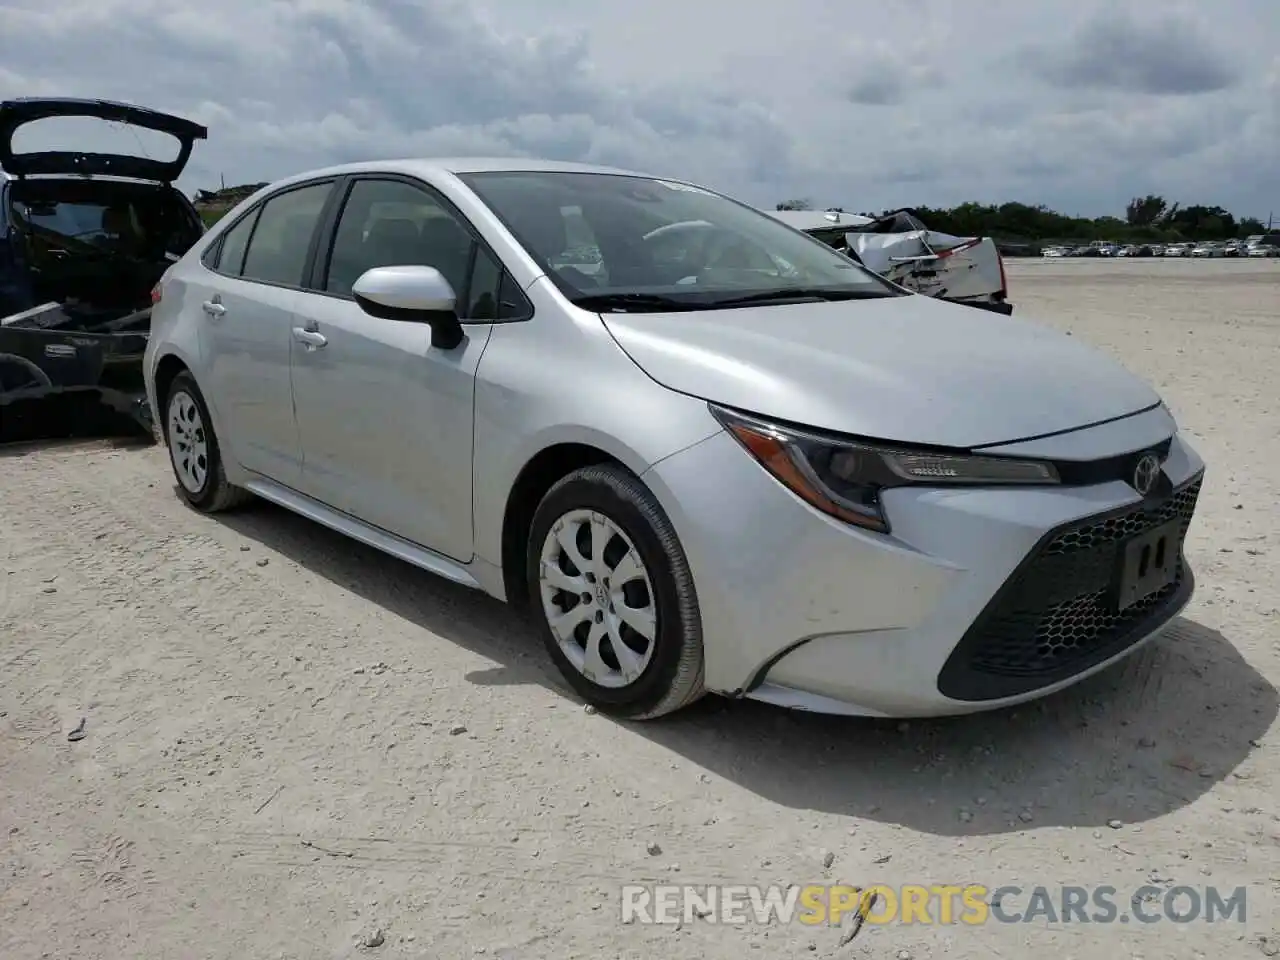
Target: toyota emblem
(1145, 473)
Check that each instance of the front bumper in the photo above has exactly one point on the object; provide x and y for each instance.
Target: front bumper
(804, 611)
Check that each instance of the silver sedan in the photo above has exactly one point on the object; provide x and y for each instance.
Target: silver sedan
(706, 452)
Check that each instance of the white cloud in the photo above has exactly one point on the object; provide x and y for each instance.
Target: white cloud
(922, 102)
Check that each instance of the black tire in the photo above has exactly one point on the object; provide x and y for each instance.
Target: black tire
(214, 494)
(673, 677)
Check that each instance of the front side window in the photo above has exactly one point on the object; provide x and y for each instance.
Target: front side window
(390, 223)
(492, 294)
(612, 241)
(282, 238)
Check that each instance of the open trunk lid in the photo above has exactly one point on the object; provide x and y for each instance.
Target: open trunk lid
(15, 114)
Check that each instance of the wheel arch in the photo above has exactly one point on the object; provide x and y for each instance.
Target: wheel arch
(167, 369)
(539, 474)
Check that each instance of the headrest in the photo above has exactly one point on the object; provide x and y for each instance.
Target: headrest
(116, 220)
(390, 233)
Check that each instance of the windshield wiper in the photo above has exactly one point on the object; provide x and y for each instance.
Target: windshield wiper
(653, 302)
(800, 295)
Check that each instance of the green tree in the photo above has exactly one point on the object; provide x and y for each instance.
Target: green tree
(1145, 211)
(1148, 219)
(1202, 222)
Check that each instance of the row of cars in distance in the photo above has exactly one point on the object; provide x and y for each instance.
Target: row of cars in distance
(1261, 245)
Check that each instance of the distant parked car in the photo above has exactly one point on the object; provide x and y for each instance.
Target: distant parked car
(1136, 250)
(1178, 249)
(1210, 249)
(1264, 250)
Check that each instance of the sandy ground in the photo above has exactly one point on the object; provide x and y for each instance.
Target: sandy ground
(268, 768)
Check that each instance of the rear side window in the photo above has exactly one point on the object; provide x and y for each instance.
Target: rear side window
(228, 255)
(282, 238)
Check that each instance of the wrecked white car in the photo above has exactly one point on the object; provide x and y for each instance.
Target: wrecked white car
(965, 270)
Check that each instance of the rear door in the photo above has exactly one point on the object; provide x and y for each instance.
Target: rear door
(247, 315)
(385, 418)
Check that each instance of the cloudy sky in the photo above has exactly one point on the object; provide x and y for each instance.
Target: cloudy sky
(1079, 104)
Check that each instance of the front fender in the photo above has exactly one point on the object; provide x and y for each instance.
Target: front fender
(529, 398)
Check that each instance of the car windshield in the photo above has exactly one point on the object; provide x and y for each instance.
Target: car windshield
(618, 242)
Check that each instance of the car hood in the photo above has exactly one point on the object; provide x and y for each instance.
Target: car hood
(20, 112)
(907, 369)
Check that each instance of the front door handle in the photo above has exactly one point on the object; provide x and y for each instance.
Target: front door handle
(213, 308)
(311, 339)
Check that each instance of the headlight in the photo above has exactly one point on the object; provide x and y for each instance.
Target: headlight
(843, 478)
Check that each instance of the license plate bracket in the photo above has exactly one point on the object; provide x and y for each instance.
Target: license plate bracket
(1148, 564)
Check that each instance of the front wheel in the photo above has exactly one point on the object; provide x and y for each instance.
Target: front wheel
(614, 595)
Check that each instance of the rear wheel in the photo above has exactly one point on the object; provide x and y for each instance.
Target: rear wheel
(193, 449)
(614, 595)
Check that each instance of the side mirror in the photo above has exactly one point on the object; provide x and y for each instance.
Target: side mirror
(412, 295)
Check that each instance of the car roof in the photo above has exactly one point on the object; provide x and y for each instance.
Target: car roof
(437, 169)
(433, 167)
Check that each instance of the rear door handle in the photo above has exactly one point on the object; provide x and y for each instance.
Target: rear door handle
(213, 308)
(312, 339)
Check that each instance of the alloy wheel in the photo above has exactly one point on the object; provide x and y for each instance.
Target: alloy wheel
(598, 598)
(188, 443)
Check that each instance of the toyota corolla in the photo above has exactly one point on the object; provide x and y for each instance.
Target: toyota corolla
(706, 452)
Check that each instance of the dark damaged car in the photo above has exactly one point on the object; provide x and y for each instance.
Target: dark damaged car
(84, 238)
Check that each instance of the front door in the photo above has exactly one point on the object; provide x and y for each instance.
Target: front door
(385, 419)
(246, 320)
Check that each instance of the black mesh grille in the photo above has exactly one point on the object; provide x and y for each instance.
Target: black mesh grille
(1056, 617)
